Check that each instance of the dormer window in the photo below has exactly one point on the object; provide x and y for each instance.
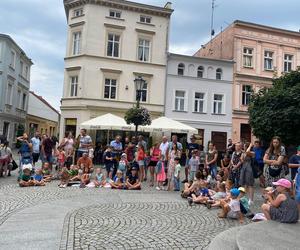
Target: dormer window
(115, 14)
(145, 19)
(78, 12)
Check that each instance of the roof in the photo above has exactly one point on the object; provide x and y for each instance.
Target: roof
(44, 101)
(200, 58)
(122, 4)
(265, 27)
(7, 37)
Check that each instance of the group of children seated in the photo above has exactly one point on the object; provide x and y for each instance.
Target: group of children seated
(233, 201)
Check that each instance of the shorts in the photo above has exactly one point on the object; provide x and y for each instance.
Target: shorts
(48, 158)
(152, 163)
(35, 157)
(233, 215)
(141, 163)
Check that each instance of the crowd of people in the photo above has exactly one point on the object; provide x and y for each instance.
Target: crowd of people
(203, 176)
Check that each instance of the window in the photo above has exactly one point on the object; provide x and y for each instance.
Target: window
(9, 94)
(248, 57)
(144, 50)
(179, 100)
(76, 43)
(143, 93)
(12, 59)
(200, 71)
(24, 101)
(18, 98)
(74, 85)
(115, 14)
(180, 69)
(26, 72)
(288, 62)
(219, 74)
(78, 12)
(246, 94)
(110, 88)
(218, 104)
(6, 129)
(113, 45)
(268, 60)
(145, 19)
(199, 102)
(21, 68)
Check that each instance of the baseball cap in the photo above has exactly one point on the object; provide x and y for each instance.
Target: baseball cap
(283, 182)
(242, 189)
(134, 168)
(123, 155)
(234, 192)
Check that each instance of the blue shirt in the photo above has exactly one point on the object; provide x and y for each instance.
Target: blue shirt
(38, 177)
(35, 145)
(259, 155)
(116, 145)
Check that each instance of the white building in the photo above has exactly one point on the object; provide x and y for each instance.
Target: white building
(41, 116)
(199, 94)
(109, 44)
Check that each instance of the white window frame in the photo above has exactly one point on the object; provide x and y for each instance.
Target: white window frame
(76, 43)
(73, 86)
(287, 62)
(219, 74)
(184, 99)
(114, 42)
(245, 94)
(144, 92)
(145, 19)
(111, 86)
(198, 100)
(143, 46)
(116, 14)
(213, 104)
(200, 70)
(78, 12)
(12, 59)
(248, 55)
(8, 99)
(268, 60)
(26, 71)
(181, 66)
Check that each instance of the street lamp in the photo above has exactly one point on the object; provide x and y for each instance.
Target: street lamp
(139, 84)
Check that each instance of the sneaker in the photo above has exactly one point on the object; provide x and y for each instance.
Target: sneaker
(208, 205)
(82, 185)
(158, 188)
(64, 186)
(190, 201)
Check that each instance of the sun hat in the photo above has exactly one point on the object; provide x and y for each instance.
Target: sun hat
(283, 182)
(235, 192)
(27, 166)
(123, 155)
(242, 189)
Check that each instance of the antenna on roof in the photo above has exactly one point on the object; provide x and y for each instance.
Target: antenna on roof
(212, 31)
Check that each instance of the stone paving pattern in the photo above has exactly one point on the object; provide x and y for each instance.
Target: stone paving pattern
(108, 219)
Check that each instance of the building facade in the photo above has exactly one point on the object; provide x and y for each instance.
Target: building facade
(260, 53)
(109, 44)
(199, 94)
(14, 87)
(41, 116)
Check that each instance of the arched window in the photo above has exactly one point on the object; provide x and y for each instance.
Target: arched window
(180, 69)
(219, 74)
(200, 71)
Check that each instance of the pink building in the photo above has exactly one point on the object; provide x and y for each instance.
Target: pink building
(260, 53)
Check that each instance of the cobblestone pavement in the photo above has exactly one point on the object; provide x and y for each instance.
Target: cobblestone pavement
(112, 219)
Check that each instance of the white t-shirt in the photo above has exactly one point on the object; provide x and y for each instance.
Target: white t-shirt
(163, 148)
(234, 209)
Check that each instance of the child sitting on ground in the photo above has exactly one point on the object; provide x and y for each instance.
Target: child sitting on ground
(25, 179)
(46, 172)
(118, 181)
(99, 178)
(192, 187)
(132, 182)
(201, 196)
(221, 194)
(177, 174)
(85, 178)
(244, 201)
(64, 177)
(38, 178)
(228, 187)
(232, 209)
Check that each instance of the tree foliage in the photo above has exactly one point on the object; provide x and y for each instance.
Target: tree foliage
(138, 116)
(276, 111)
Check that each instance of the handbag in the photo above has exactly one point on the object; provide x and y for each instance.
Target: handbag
(14, 165)
(274, 172)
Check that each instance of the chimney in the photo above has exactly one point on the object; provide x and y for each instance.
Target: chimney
(168, 5)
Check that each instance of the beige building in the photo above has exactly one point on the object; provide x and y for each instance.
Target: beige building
(41, 116)
(260, 53)
(109, 44)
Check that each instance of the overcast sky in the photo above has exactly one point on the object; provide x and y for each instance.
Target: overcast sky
(39, 28)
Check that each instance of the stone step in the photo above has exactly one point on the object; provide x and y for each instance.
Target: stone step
(225, 240)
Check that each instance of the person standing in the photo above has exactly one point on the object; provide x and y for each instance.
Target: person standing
(294, 163)
(174, 153)
(259, 155)
(117, 148)
(36, 146)
(190, 148)
(155, 153)
(273, 159)
(25, 150)
(85, 142)
(164, 149)
(236, 163)
(47, 150)
(230, 147)
(175, 140)
(211, 160)
(5, 158)
(67, 142)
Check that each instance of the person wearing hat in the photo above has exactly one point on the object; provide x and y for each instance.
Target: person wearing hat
(123, 163)
(245, 208)
(191, 147)
(25, 179)
(132, 182)
(232, 209)
(118, 181)
(283, 208)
